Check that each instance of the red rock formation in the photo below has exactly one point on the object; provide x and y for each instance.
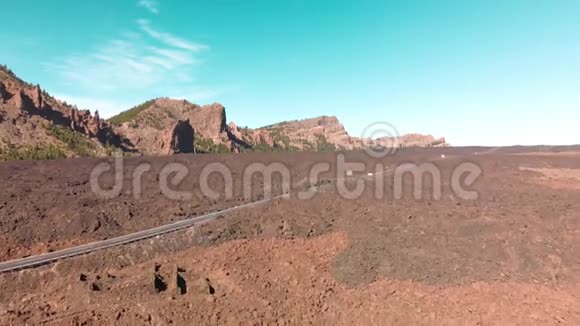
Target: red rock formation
(18, 100)
(308, 132)
(180, 138)
(82, 121)
(4, 96)
(214, 119)
(263, 137)
(234, 130)
(209, 122)
(23, 102)
(36, 95)
(162, 126)
(258, 136)
(413, 140)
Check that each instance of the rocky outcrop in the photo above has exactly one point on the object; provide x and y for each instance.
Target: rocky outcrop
(23, 98)
(181, 138)
(149, 127)
(166, 126)
(4, 96)
(263, 137)
(235, 130)
(412, 140)
(207, 120)
(82, 121)
(94, 127)
(310, 134)
(210, 120)
(248, 137)
(20, 101)
(36, 96)
(418, 140)
(306, 134)
(27, 107)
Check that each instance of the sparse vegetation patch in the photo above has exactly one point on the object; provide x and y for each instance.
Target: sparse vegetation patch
(11, 152)
(75, 141)
(131, 113)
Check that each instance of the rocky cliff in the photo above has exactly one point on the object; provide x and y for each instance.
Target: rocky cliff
(327, 133)
(149, 127)
(32, 120)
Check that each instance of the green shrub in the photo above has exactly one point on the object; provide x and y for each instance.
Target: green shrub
(280, 138)
(111, 150)
(75, 141)
(322, 145)
(262, 147)
(292, 148)
(205, 145)
(7, 70)
(37, 152)
(221, 148)
(308, 146)
(131, 113)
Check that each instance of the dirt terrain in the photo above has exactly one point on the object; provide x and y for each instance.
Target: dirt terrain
(512, 256)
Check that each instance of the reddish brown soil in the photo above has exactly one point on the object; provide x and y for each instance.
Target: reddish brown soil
(50, 204)
(557, 178)
(556, 153)
(510, 257)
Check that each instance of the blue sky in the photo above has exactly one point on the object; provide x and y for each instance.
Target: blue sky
(477, 72)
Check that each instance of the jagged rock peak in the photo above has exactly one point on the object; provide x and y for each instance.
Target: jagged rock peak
(28, 106)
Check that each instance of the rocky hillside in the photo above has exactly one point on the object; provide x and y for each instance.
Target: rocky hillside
(34, 125)
(151, 127)
(155, 126)
(327, 133)
(316, 134)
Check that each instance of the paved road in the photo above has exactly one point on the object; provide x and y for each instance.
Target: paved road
(47, 258)
(43, 259)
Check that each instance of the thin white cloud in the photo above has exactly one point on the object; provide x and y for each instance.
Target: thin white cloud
(115, 65)
(110, 107)
(106, 108)
(129, 65)
(170, 39)
(151, 5)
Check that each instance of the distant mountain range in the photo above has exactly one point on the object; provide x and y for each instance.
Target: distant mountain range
(34, 125)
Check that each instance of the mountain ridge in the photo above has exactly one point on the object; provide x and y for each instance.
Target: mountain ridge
(31, 119)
